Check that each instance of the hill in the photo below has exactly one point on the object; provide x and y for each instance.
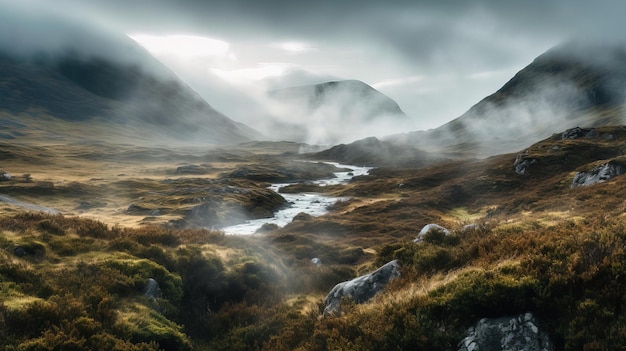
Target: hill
(140, 100)
(338, 111)
(374, 152)
(573, 84)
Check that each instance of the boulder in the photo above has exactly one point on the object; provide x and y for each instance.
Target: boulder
(517, 333)
(577, 132)
(522, 163)
(427, 229)
(471, 227)
(361, 289)
(316, 261)
(302, 216)
(267, 227)
(598, 174)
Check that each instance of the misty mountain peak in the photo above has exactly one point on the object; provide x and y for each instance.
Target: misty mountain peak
(348, 95)
(573, 84)
(119, 96)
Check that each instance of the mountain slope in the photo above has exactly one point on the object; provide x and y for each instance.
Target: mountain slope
(126, 98)
(338, 111)
(574, 84)
(348, 95)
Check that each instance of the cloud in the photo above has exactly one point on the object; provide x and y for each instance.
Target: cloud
(450, 43)
(294, 47)
(187, 46)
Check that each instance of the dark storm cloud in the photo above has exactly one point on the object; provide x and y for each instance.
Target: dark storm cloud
(477, 34)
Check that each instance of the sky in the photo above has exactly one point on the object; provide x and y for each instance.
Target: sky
(434, 58)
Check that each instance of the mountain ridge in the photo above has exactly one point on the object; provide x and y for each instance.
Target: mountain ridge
(572, 84)
(79, 88)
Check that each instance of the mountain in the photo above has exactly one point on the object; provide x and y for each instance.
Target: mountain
(348, 95)
(573, 84)
(141, 99)
(338, 111)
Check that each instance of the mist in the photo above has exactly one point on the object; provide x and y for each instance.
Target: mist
(436, 60)
(577, 84)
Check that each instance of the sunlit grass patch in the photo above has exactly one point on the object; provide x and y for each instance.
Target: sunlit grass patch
(143, 324)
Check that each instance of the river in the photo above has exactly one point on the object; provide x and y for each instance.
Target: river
(314, 204)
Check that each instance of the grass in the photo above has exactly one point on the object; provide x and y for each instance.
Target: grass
(540, 246)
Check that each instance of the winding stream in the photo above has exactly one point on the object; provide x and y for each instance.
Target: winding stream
(312, 203)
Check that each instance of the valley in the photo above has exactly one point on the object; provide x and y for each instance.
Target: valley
(518, 242)
(137, 216)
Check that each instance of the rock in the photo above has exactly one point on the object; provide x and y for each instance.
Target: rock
(302, 216)
(470, 227)
(522, 163)
(362, 288)
(517, 333)
(427, 229)
(4, 176)
(19, 252)
(31, 249)
(316, 261)
(598, 174)
(152, 290)
(267, 227)
(577, 132)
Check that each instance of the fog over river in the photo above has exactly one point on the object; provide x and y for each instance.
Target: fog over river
(311, 203)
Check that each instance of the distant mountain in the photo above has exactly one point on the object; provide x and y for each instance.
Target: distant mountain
(574, 84)
(349, 96)
(58, 91)
(338, 110)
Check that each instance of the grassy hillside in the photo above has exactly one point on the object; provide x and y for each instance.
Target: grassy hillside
(538, 245)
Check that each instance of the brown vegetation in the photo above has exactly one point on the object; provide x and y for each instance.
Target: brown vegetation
(538, 245)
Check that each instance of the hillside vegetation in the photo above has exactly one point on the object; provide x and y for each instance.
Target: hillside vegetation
(537, 245)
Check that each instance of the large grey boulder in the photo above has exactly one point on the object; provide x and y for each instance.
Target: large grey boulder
(517, 333)
(598, 174)
(362, 288)
(429, 228)
(577, 133)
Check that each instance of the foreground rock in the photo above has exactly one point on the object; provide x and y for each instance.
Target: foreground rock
(517, 333)
(362, 288)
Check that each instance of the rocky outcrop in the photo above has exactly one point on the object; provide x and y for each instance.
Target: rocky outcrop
(517, 333)
(522, 163)
(598, 174)
(429, 228)
(577, 133)
(362, 288)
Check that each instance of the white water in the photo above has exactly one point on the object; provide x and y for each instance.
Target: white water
(312, 203)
